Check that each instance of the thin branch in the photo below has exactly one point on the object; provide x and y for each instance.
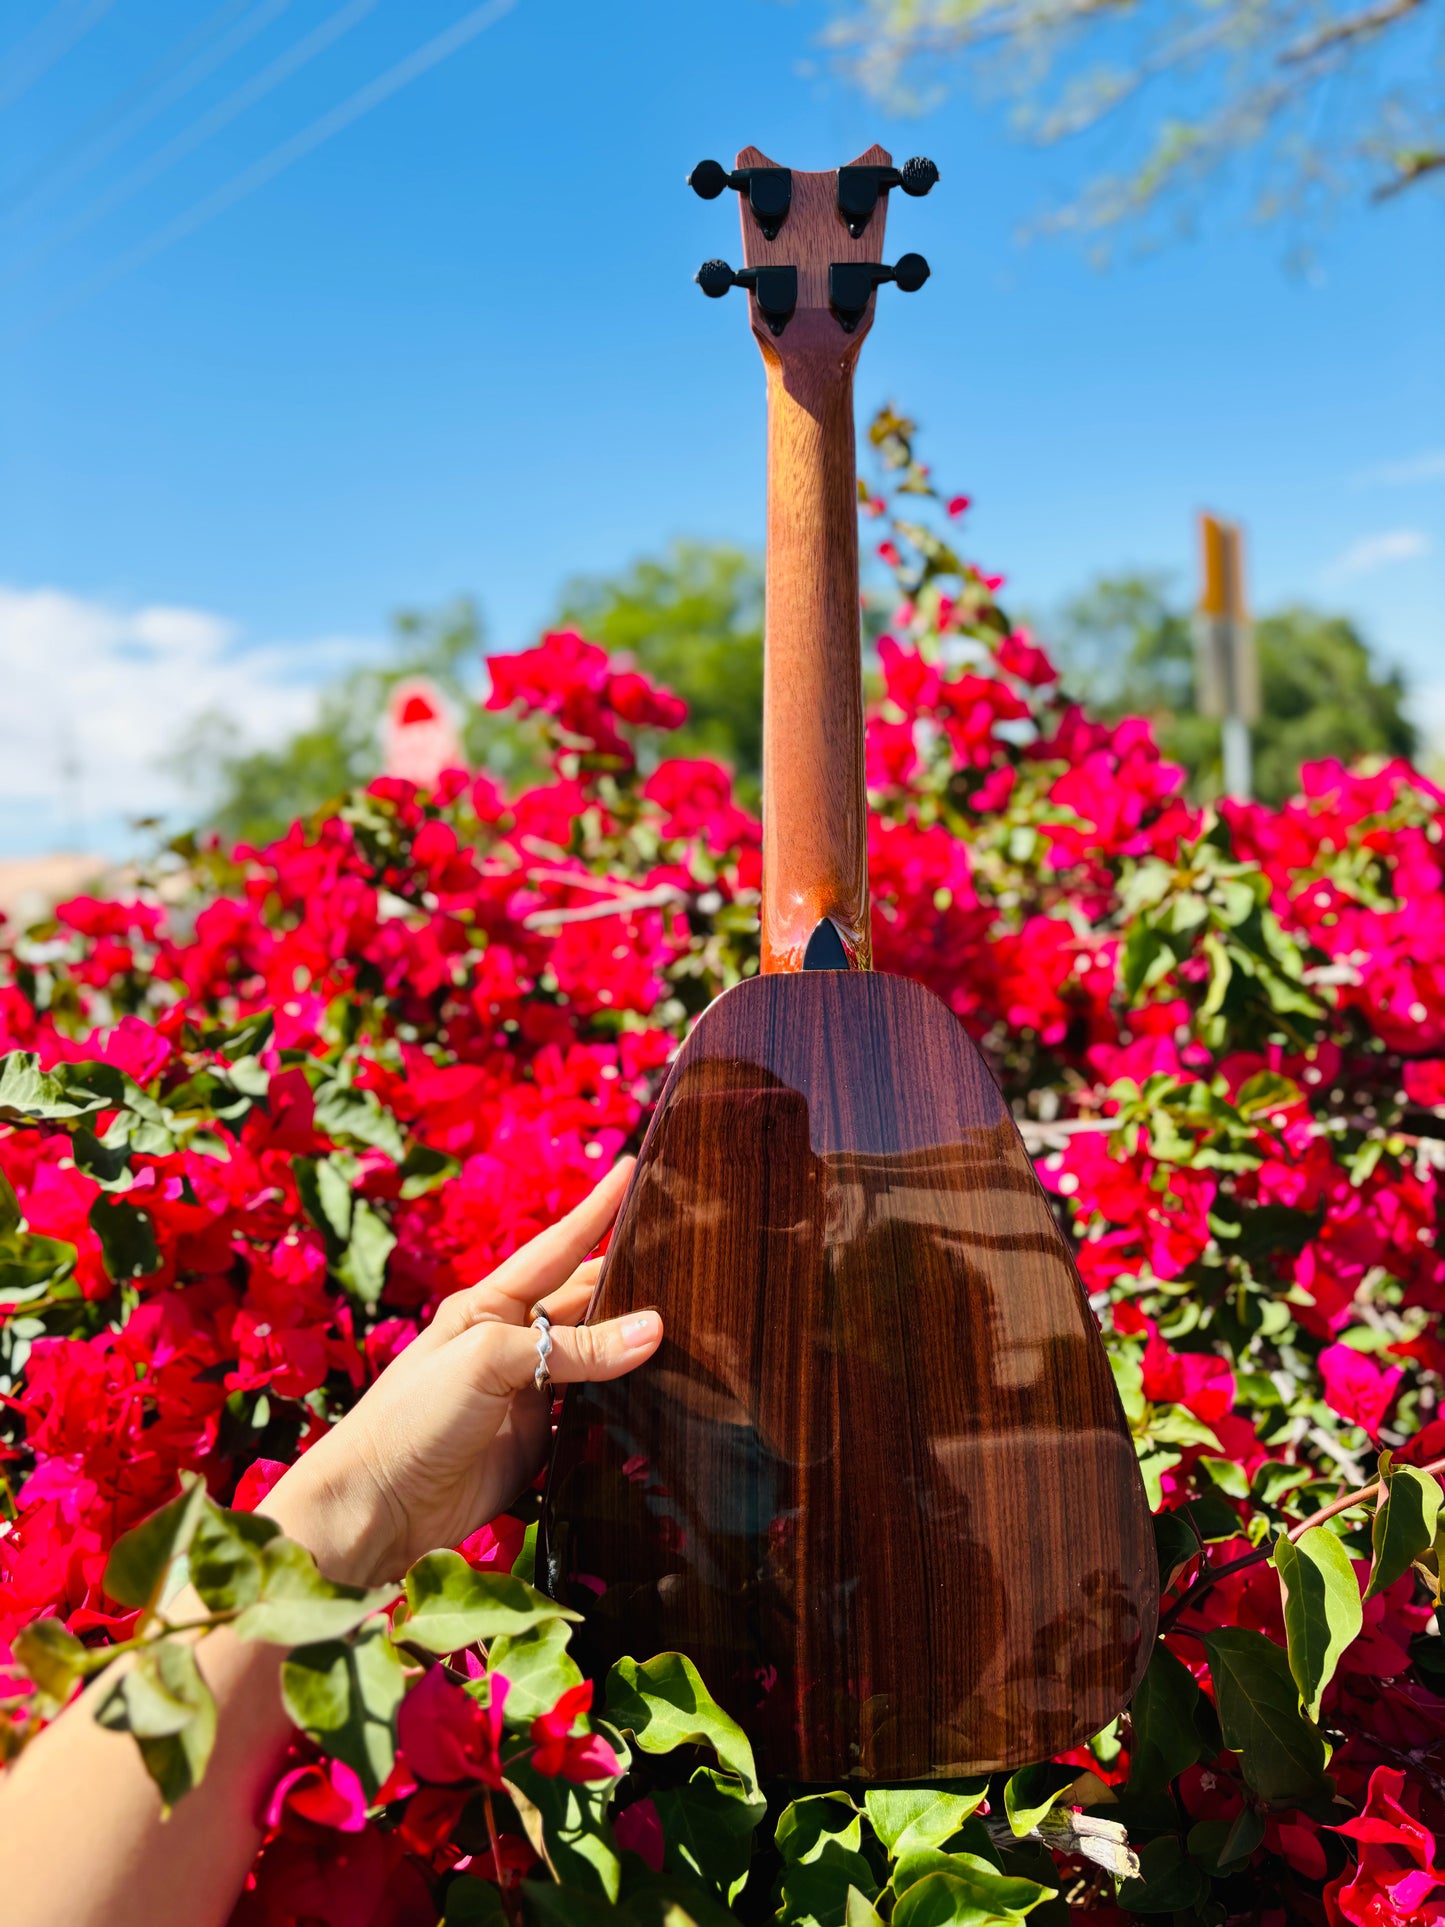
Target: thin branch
(1260, 1554)
(1415, 169)
(657, 899)
(1340, 33)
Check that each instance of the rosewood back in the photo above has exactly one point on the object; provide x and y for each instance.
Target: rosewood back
(876, 1483)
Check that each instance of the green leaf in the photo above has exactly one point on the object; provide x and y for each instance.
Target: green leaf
(224, 1560)
(708, 1829)
(815, 1820)
(524, 1566)
(567, 1825)
(296, 1606)
(451, 1605)
(344, 1695)
(1281, 1753)
(1162, 1716)
(1175, 1545)
(814, 1893)
(1322, 1611)
(1032, 1791)
(663, 1703)
(140, 1559)
(1405, 1522)
(970, 1894)
(363, 1268)
(551, 1905)
(1267, 1091)
(860, 1911)
(537, 1665)
(1005, 1894)
(162, 1700)
(29, 1094)
(1168, 1883)
(10, 1219)
(908, 1818)
(342, 1112)
(477, 1903)
(51, 1655)
(127, 1239)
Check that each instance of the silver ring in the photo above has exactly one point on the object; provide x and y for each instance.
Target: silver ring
(542, 1326)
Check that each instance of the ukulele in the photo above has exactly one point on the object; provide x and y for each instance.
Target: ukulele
(876, 1483)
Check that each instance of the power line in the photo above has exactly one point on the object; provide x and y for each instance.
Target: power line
(43, 58)
(298, 55)
(161, 86)
(265, 170)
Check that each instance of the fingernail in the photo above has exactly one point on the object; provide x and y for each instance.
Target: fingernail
(640, 1328)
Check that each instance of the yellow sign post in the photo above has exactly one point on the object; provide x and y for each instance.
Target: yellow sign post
(1227, 665)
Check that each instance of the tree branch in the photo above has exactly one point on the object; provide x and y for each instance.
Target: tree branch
(1261, 1553)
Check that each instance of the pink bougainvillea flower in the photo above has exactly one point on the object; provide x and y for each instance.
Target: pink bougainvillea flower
(327, 1793)
(1357, 1388)
(446, 1736)
(1397, 1881)
(575, 1756)
(494, 1547)
(639, 1830)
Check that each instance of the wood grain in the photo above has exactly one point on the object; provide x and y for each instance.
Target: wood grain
(877, 1482)
(815, 805)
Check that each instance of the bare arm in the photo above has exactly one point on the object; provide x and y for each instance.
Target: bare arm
(446, 1437)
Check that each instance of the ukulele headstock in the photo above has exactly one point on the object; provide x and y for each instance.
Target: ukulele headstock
(812, 247)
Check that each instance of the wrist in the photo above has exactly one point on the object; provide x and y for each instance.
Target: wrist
(340, 1526)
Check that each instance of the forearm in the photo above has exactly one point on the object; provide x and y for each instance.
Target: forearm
(81, 1831)
(135, 1869)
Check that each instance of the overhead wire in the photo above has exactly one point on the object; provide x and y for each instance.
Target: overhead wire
(281, 157)
(164, 83)
(298, 55)
(43, 58)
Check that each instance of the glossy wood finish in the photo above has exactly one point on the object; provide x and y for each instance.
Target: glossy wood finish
(877, 1482)
(815, 806)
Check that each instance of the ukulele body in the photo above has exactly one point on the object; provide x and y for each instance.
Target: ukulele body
(877, 1482)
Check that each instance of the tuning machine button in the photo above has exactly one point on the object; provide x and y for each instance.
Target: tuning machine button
(769, 190)
(859, 188)
(774, 289)
(851, 283)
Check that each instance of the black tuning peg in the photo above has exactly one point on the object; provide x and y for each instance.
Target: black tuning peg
(774, 289)
(769, 190)
(859, 188)
(850, 283)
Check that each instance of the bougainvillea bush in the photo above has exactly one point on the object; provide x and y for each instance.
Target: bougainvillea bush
(262, 1117)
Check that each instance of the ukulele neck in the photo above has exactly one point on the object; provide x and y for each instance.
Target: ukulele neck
(815, 805)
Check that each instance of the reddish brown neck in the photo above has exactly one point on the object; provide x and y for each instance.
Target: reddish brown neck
(815, 810)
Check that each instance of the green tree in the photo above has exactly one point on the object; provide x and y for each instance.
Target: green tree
(1326, 99)
(692, 620)
(1322, 693)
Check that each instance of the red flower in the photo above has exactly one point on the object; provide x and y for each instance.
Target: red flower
(575, 1756)
(446, 1736)
(1396, 1882)
(1357, 1388)
(309, 1798)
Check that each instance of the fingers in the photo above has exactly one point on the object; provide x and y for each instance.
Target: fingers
(503, 1358)
(540, 1267)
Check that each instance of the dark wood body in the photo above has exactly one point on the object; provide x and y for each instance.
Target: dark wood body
(877, 1483)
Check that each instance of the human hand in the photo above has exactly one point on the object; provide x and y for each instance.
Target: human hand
(454, 1427)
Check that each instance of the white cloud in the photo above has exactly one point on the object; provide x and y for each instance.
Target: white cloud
(96, 696)
(1426, 467)
(1382, 551)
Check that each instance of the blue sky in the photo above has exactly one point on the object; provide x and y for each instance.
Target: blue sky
(315, 316)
